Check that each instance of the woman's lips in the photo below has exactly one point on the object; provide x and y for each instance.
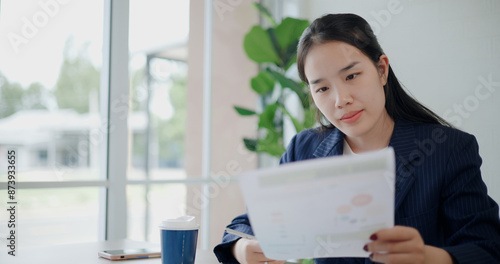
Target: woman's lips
(351, 117)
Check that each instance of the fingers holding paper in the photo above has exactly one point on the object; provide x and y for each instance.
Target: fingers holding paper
(248, 251)
(399, 244)
(402, 244)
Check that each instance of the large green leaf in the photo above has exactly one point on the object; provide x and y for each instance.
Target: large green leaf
(276, 46)
(250, 144)
(286, 82)
(266, 118)
(289, 31)
(244, 111)
(287, 35)
(263, 83)
(289, 58)
(259, 47)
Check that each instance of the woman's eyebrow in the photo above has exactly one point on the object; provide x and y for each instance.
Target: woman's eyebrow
(346, 68)
(316, 81)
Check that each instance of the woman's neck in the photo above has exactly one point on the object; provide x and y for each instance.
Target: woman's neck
(377, 138)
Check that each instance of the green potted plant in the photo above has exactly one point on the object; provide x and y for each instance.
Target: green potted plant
(275, 50)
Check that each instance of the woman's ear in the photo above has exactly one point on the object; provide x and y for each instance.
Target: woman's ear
(383, 68)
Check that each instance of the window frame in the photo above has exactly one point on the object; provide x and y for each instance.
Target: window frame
(114, 115)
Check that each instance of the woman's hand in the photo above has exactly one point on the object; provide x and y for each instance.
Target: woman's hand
(248, 251)
(402, 244)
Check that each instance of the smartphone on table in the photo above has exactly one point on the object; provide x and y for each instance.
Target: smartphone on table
(130, 253)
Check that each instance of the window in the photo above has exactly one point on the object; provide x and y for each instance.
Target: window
(157, 180)
(50, 82)
(54, 94)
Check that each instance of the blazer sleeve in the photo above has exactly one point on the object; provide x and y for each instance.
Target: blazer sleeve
(471, 217)
(223, 251)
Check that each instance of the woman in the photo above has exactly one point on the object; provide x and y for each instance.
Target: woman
(442, 211)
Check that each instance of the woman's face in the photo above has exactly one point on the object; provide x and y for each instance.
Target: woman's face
(348, 88)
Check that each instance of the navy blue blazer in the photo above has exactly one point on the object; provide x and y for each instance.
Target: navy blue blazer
(439, 190)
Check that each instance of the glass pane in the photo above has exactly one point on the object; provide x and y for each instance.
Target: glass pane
(168, 120)
(54, 216)
(158, 44)
(136, 212)
(49, 88)
(162, 201)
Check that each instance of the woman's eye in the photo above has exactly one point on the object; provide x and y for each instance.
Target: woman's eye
(351, 76)
(322, 89)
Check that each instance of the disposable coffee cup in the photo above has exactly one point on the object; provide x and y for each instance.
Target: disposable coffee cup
(178, 240)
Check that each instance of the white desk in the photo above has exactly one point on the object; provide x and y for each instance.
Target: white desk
(86, 253)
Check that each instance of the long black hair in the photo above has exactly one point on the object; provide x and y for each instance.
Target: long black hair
(354, 30)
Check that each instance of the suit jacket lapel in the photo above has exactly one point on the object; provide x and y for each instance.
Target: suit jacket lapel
(402, 140)
(332, 145)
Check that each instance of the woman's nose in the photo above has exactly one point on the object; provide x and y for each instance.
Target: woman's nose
(344, 97)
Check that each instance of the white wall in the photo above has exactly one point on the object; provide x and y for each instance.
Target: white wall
(231, 74)
(445, 53)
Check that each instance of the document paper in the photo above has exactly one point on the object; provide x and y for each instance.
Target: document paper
(321, 208)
